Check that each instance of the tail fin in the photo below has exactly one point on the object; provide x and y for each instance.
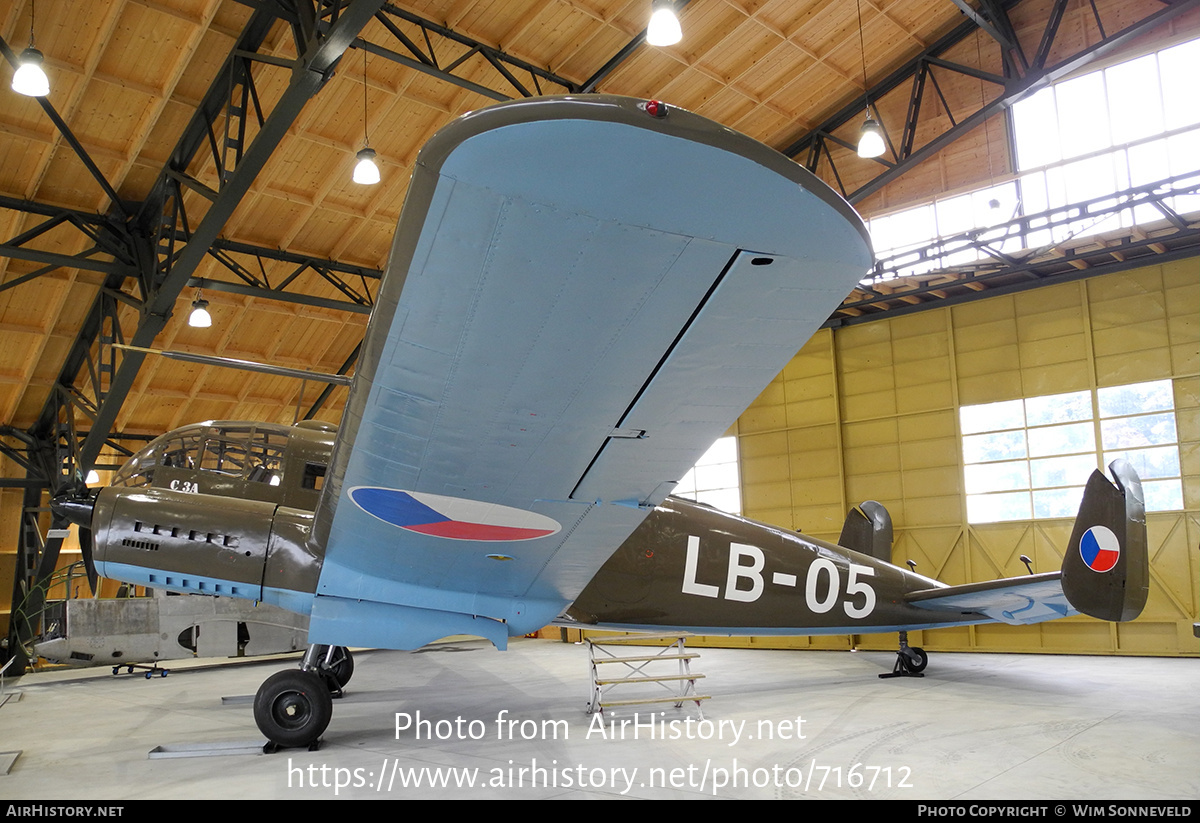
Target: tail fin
(868, 530)
(1106, 571)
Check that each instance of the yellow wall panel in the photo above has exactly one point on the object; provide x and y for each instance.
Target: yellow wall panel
(926, 454)
(761, 445)
(1003, 357)
(815, 463)
(815, 410)
(1071, 348)
(989, 388)
(872, 404)
(936, 510)
(773, 394)
(1128, 310)
(767, 495)
(1057, 379)
(1071, 634)
(876, 457)
(809, 438)
(975, 315)
(885, 487)
(1132, 284)
(931, 426)
(1131, 337)
(865, 381)
(932, 482)
(881, 423)
(770, 469)
(1133, 367)
(913, 399)
(762, 418)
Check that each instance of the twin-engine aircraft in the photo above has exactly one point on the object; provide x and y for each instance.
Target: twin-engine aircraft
(583, 294)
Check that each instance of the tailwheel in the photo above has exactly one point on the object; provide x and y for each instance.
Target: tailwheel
(917, 660)
(910, 660)
(293, 708)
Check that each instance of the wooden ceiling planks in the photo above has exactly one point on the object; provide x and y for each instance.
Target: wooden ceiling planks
(127, 76)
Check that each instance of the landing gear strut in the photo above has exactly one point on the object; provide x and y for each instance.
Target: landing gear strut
(293, 708)
(910, 660)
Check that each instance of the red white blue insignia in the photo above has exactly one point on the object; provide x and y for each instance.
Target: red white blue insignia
(453, 518)
(1099, 548)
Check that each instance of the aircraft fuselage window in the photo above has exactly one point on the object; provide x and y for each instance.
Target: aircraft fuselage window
(314, 476)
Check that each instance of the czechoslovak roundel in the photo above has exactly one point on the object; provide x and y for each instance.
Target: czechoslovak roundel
(453, 518)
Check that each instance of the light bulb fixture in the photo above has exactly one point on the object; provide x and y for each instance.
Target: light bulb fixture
(29, 78)
(366, 171)
(664, 27)
(870, 139)
(92, 477)
(199, 318)
(870, 136)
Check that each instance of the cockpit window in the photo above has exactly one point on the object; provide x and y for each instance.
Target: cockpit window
(224, 455)
(181, 452)
(266, 457)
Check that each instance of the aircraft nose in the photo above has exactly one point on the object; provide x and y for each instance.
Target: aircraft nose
(75, 507)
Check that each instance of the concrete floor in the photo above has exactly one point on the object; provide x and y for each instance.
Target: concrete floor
(975, 727)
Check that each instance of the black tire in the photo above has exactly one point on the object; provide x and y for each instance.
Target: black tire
(292, 708)
(919, 661)
(343, 666)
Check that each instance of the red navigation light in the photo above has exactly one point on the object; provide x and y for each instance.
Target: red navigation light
(656, 108)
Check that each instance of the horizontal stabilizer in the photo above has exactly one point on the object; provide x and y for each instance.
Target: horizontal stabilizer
(1105, 570)
(1015, 600)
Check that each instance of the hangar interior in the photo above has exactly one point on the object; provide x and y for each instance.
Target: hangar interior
(202, 150)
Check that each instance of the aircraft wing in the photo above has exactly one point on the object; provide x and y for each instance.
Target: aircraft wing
(1015, 600)
(581, 297)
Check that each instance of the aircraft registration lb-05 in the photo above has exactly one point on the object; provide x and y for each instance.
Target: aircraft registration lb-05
(581, 297)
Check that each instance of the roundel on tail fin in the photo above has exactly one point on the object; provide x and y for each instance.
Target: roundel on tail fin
(1099, 548)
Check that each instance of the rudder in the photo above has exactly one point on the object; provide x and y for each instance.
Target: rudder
(1105, 573)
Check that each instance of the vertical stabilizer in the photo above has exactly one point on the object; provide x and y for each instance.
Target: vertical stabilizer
(1106, 573)
(868, 530)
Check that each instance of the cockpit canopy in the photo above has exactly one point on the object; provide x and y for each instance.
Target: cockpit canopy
(257, 461)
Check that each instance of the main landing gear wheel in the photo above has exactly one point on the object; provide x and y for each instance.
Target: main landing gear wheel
(921, 660)
(340, 665)
(293, 708)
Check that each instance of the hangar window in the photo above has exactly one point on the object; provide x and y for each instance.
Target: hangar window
(1125, 130)
(1029, 459)
(715, 479)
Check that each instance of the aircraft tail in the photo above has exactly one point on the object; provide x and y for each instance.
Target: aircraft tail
(1106, 570)
(868, 530)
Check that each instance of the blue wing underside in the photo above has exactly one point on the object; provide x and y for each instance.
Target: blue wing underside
(560, 334)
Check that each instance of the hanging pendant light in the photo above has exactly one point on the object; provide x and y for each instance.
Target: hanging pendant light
(199, 318)
(870, 139)
(870, 136)
(664, 29)
(29, 78)
(366, 171)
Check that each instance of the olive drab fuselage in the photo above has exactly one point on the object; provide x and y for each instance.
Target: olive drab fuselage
(226, 509)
